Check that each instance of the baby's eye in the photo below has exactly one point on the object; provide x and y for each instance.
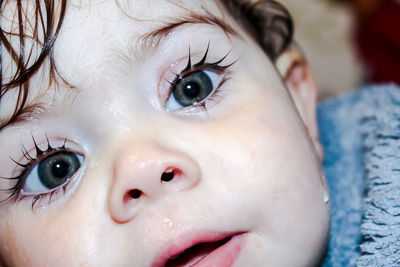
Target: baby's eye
(192, 89)
(51, 172)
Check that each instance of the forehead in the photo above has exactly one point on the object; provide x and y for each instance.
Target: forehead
(97, 33)
(88, 26)
(103, 20)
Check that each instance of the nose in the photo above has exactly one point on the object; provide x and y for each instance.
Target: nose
(147, 171)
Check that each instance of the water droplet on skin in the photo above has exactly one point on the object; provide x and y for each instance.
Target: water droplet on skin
(93, 164)
(167, 223)
(325, 189)
(40, 208)
(173, 64)
(326, 197)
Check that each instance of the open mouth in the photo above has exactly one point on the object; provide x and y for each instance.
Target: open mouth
(201, 249)
(195, 254)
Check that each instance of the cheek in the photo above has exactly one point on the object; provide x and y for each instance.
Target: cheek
(262, 137)
(50, 239)
(263, 153)
(262, 160)
(19, 241)
(30, 243)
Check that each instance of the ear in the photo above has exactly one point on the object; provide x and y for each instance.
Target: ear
(302, 87)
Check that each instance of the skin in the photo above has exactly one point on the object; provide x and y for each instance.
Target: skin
(246, 164)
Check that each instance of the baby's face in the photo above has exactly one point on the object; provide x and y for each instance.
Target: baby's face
(145, 165)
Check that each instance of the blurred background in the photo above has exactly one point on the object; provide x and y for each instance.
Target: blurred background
(349, 43)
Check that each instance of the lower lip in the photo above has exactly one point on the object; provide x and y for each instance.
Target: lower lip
(225, 255)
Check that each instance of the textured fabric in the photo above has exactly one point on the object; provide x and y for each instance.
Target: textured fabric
(360, 133)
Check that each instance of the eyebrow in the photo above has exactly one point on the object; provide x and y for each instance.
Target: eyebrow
(155, 37)
(24, 114)
(149, 40)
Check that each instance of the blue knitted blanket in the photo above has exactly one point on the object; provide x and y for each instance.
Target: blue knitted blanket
(360, 132)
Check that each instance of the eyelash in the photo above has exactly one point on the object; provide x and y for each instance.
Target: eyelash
(201, 66)
(15, 191)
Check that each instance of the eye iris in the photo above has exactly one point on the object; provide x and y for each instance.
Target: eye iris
(56, 169)
(60, 169)
(193, 88)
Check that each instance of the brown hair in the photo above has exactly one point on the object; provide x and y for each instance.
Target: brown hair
(267, 21)
(48, 18)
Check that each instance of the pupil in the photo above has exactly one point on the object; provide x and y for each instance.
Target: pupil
(192, 89)
(60, 169)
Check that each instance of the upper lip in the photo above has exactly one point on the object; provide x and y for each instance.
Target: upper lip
(176, 247)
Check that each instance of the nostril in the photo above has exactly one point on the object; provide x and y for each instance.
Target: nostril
(167, 176)
(134, 193)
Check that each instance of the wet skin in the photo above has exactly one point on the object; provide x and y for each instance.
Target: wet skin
(243, 162)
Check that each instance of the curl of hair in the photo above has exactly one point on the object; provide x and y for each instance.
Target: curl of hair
(267, 21)
(48, 17)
